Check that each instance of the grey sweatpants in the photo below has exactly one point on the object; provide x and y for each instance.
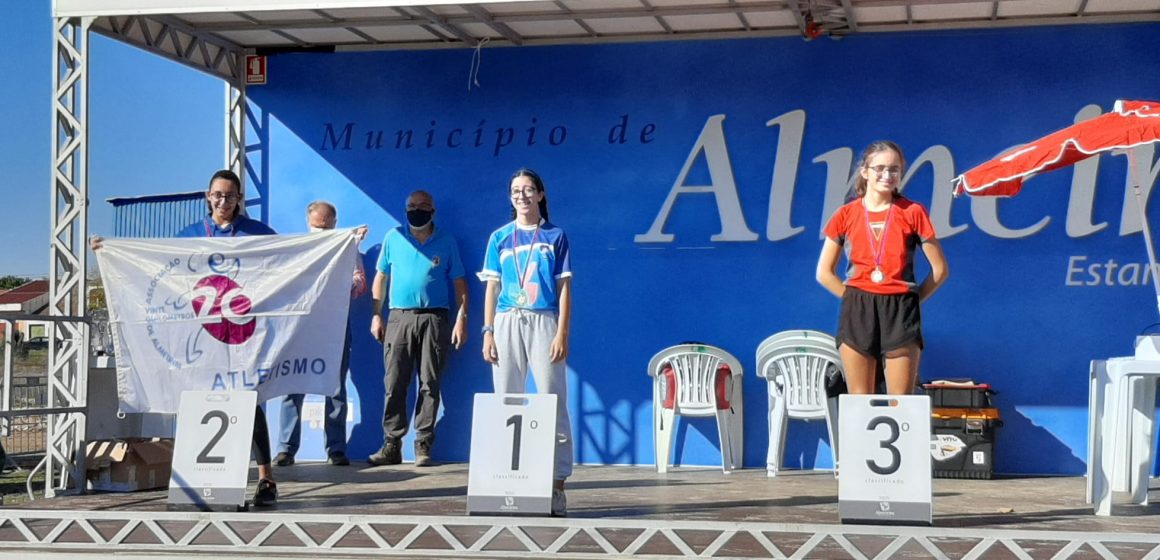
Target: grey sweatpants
(523, 340)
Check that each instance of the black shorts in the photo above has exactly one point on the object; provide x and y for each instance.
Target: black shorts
(875, 324)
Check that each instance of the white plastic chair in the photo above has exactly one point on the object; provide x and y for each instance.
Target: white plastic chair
(1121, 420)
(694, 368)
(796, 365)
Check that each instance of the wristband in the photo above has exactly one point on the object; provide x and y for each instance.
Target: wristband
(487, 329)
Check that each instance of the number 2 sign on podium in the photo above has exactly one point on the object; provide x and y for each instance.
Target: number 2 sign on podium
(211, 452)
(513, 445)
(884, 459)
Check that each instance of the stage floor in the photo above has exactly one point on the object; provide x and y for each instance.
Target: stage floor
(691, 494)
(684, 499)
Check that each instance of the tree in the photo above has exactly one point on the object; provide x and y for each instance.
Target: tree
(97, 298)
(9, 282)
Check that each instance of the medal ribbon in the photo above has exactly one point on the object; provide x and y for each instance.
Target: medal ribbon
(877, 248)
(209, 228)
(528, 261)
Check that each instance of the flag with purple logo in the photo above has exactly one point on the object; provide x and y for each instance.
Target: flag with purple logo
(262, 313)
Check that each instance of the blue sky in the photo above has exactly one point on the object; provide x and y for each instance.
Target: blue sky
(155, 127)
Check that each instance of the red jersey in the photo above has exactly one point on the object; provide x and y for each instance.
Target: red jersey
(883, 241)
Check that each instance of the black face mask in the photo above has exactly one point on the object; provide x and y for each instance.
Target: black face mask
(419, 218)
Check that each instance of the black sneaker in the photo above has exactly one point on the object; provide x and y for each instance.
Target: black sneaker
(267, 493)
(559, 503)
(390, 454)
(423, 454)
(284, 459)
(338, 458)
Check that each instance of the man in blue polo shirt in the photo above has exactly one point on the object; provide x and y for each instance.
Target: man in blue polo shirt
(416, 269)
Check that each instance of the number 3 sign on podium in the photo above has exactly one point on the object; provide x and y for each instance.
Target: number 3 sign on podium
(884, 459)
(513, 445)
(211, 451)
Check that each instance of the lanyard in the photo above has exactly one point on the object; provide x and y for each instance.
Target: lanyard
(877, 248)
(209, 229)
(528, 261)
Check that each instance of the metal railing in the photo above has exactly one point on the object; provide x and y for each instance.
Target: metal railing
(25, 436)
(25, 387)
(318, 536)
(27, 405)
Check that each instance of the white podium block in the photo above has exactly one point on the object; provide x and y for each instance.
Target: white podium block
(513, 447)
(211, 450)
(885, 462)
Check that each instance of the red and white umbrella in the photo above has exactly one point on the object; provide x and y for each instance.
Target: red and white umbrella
(1129, 124)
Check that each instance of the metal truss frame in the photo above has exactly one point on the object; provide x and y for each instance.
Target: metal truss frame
(470, 23)
(318, 535)
(236, 127)
(68, 355)
(171, 39)
(254, 138)
(68, 349)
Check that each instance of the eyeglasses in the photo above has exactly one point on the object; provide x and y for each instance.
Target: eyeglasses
(883, 170)
(218, 197)
(527, 191)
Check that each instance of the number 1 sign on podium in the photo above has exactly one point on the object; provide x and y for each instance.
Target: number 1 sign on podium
(884, 459)
(513, 445)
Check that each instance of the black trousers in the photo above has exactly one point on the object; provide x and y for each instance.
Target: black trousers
(261, 445)
(416, 340)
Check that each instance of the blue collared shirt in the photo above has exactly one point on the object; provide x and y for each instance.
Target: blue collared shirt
(421, 274)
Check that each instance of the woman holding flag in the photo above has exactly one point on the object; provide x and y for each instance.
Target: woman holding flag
(223, 200)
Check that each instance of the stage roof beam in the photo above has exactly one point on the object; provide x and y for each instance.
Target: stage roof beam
(249, 25)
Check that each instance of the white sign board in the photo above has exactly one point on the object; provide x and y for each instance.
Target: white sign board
(513, 447)
(211, 452)
(884, 457)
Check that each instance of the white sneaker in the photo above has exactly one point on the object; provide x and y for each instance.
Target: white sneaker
(559, 504)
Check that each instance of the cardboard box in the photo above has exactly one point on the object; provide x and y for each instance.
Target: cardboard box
(128, 465)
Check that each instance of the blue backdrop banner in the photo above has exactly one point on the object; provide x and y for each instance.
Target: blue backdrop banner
(694, 179)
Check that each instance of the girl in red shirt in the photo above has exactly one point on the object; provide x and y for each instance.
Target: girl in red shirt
(880, 231)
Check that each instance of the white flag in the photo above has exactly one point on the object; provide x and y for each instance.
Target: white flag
(265, 313)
